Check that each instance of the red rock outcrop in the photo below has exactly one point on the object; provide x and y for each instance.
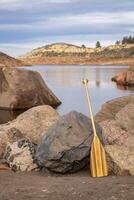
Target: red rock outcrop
(125, 78)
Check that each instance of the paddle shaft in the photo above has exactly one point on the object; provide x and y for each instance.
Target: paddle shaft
(98, 164)
(90, 106)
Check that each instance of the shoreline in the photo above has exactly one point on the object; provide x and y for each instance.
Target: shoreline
(129, 64)
(80, 64)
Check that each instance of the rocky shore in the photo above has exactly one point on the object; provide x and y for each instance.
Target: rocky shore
(45, 155)
(41, 139)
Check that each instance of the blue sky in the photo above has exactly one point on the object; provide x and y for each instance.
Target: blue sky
(27, 24)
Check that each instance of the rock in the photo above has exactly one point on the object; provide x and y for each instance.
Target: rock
(120, 130)
(4, 140)
(125, 78)
(130, 77)
(125, 118)
(6, 60)
(20, 155)
(110, 108)
(120, 79)
(114, 134)
(30, 124)
(3, 165)
(66, 145)
(9, 115)
(116, 119)
(2, 65)
(120, 160)
(23, 89)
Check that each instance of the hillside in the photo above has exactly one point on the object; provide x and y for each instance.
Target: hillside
(62, 53)
(6, 60)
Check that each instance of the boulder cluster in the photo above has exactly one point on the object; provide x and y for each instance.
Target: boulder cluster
(41, 139)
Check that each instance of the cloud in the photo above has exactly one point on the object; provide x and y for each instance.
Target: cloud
(11, 4)
(90, 19)
(24, 4)
(25, 24)
(19, 48)
(72, 5)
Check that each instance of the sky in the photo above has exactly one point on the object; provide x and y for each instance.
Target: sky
(28, 24)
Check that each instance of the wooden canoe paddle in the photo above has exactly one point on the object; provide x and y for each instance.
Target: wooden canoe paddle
(98, 164)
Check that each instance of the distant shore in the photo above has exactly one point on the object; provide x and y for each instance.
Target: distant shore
(78, 61)
(61, 53)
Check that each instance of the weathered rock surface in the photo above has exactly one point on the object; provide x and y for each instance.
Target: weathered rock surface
(20, 155)
(23, 89)
(120, 79)
(114, 134)
(125, 118)
(117, 122)
(66, 145)
(9, 115)
(6, 60)
(120, 130)
(4, 165)
(110, 108)
(125, 78)
(120, 160)
(31, 124)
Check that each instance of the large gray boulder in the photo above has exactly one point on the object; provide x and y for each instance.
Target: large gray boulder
(31, 124)
(23, 89)
(20, 155)
(66, 145)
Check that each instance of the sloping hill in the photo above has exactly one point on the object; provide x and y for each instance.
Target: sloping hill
(62, 53)
(6, 60)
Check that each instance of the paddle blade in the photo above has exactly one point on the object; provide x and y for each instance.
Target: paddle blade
(98, 164)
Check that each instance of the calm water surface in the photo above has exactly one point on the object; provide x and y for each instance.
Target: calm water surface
(65, 82)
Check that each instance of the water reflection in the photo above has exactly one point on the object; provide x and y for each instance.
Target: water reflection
(123, 87)
(70, 74)
(98, 82)
(65, 82)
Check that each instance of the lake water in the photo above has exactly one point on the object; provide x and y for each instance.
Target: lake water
(65, 82)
